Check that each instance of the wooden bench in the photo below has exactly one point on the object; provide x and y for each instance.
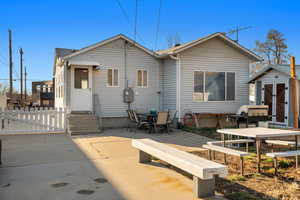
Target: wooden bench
(240, 141)
(276, 155)
(228, 151)
(281, 143)
(203, 171)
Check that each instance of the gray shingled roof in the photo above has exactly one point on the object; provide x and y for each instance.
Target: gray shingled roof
(283, 68)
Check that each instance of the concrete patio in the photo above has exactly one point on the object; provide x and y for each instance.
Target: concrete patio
(104, 166)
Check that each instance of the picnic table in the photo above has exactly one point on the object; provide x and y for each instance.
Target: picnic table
(260, 134)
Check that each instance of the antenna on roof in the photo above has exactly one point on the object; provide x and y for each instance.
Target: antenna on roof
(236, 31)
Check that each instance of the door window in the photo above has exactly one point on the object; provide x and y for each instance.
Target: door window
(81, 78)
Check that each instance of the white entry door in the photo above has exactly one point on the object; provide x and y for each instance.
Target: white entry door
(81, 88)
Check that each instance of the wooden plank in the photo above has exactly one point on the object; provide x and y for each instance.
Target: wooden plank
(283, 154)
(280, 142)
(259, 132)
(240, 141)
(195, 165)
(225, 150)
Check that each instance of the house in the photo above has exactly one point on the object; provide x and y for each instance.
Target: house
(42, 93)
(272, 88)
(207, 75)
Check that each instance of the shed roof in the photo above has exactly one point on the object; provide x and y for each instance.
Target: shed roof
(283, 68)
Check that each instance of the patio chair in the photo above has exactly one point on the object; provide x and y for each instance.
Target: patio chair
(171, 120)
(162, 121)
(141, 123)
(131, 118)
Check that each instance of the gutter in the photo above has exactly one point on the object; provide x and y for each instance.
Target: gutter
(178, 83)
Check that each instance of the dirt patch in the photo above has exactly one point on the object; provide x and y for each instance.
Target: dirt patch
(254, 186)
(100, 180)
(58, 185)
(85, 192)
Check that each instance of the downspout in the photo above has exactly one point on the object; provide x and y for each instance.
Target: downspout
(125, 68)
(178, 83)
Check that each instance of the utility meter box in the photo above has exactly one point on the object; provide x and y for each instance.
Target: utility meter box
(128, 95)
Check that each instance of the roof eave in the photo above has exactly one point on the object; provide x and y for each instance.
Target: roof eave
(119, 36)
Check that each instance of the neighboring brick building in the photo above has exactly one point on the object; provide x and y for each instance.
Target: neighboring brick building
(43, 93)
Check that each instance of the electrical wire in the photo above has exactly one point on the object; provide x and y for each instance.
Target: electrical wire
(135, 19)
(128, 19)
(157, 25)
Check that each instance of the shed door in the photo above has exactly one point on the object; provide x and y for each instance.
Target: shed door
(280, 102)
(268, 97)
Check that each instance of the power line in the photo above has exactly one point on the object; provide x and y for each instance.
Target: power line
(127, 18)
(135, 19)
(158, 23)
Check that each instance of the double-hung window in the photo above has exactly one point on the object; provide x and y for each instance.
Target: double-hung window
(113, 77)
(214, 86)
(142, 78)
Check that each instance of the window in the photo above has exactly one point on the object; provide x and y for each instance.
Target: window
(142, 78)
(214, 86)
(81, 78)
(113, 77)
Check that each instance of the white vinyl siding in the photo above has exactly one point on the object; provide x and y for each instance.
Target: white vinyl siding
(213, 55)
(169, 84)
(111, 100)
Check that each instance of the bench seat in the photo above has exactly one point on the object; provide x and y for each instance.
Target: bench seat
(283, 154)
(276, 155)
(281, 142)
(203, 171)
(225, 150)
(240, 141)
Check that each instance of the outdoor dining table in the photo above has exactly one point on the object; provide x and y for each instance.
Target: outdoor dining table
(260, 134)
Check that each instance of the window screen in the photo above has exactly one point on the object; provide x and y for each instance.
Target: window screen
(81, 78)
(198, 86)
(230, 94)
(142, 78)
(113, 77)
(214, 86)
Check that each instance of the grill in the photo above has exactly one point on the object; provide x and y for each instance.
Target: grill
(251, 114)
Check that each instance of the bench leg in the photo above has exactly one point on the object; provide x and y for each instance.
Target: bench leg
(144, 157)
(204, 188)
(275, 166)
(242, 166)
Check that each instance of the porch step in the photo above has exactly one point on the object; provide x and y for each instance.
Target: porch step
(82, 123)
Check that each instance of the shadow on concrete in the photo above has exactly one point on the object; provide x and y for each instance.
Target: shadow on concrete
(50, 167)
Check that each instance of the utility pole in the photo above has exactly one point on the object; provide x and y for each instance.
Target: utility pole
(294, 91)
(10, 65)
(21, 74)
(25, 86)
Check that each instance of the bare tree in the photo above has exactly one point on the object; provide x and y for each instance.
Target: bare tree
(3, 89)
(274, 49)
(173, 40)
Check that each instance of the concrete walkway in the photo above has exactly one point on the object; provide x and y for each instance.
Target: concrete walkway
(91, 167)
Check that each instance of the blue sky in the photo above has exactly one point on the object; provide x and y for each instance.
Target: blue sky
(40, 26)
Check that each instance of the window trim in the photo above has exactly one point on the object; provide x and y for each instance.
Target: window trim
(142, 69)
(204, 89)
(113, 77)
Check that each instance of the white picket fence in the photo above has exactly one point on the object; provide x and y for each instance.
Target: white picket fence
(32, 120)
